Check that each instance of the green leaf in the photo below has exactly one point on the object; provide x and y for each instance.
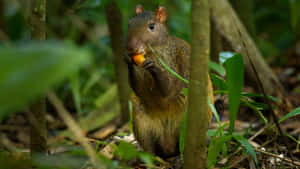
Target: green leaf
(216, 67)
(260, 106)
(211, 132)
(261, 95)
(130, 117)
(254, 108)
(293, 113)
(75, 87)
(235, 75)
(126, 151)
(182, 134)
(214, 145)
(28, 71)
(147, 158)
(214, 132)
(295, 13)
(167, 67)
(247, 146)
(215, 148)
(185, 91)
(217, 81)
(94, 78)
(213, 109)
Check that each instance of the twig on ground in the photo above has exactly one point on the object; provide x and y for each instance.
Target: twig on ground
(291, 162)
(259, 132)
(243, 157)
(74, 128)
(7, 144)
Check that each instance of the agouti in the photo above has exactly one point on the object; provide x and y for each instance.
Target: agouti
(158, 104)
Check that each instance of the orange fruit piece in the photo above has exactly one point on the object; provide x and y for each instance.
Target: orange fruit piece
(139, 59)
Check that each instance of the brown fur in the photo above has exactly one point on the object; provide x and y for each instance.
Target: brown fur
(157, 119)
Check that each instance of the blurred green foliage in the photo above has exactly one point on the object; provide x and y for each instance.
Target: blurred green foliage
(276, 25)
(28, 70)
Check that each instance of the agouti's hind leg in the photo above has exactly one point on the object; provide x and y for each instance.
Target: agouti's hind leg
(145, 138)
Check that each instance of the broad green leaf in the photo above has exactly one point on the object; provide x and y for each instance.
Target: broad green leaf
(293, 113)
(126, 151)
(30, 70)
(215, 148)
(216, 67)
(235, 76)
(247, 146)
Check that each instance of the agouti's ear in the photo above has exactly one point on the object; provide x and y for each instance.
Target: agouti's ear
(139, 9)
(161, 14)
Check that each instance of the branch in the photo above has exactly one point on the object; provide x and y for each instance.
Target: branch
(74, 128)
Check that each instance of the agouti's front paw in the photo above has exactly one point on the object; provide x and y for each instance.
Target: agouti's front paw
(148, 64)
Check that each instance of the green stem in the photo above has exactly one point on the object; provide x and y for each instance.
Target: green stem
(167, 67)
(246, 103)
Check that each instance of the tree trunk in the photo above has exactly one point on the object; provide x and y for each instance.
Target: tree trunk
(2, 17)
(215, 43)
(3, 25)
(38, 128)
(114, 20)
(37, 116)
(38, 20)
(244, 9)
(233, 31)
(197, 117)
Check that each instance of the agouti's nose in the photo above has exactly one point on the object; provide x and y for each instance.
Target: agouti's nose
(132, 45)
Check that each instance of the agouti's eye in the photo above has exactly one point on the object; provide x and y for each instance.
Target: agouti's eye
(151, 26)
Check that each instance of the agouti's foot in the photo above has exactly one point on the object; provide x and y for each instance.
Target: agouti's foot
(148, 64)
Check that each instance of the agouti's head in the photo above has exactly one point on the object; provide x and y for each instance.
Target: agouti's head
(146, 28)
